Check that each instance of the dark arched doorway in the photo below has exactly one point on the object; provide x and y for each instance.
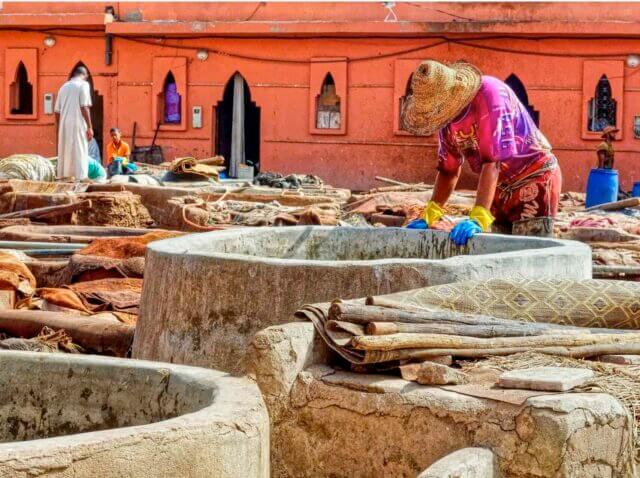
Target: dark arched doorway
(97, 109)
(242, 145)
(21, 92)
(521, 92)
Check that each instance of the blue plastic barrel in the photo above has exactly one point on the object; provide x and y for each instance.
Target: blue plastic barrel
(602, 187)
(636, 190)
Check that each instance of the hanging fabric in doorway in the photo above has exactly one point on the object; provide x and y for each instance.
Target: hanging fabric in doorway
(171, 103)
(237, 127)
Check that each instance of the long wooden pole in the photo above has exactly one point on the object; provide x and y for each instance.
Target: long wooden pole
(374, 356)
(48, 211)
(423, 341)
(365, 314)
(482, 331)
(91, 333)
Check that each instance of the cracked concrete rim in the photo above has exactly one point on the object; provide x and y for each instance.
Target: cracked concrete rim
(199, 245)
(196, 443)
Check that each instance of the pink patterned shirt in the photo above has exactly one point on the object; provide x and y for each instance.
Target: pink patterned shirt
(495, 127)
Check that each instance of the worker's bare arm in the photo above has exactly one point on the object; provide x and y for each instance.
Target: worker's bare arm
(487, 184)
(601, 159)
(86, 114)
(445, 184)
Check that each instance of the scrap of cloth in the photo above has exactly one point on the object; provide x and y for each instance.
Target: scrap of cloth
(124, 247)
(586, 303)
(48, 340)
(92, 297)
(495, 127)
(15, 275)
(369, 204)
(116, 257)
(191, 166)
(118, 295)
(56, 300)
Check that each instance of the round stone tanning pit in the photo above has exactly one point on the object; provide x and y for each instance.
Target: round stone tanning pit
(206, 295)
(67, 415)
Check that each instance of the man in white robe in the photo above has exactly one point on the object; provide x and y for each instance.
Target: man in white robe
(73, 117)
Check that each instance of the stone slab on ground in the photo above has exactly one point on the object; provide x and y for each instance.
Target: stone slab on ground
(431, 373)
(465, 463)
(551, 379)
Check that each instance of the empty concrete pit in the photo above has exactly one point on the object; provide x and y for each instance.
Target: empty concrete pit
(67, 416)
(328, 422)
(206, 295)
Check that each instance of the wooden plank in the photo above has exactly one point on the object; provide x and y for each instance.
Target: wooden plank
(607, 271)
(440, 341)
(616, 205)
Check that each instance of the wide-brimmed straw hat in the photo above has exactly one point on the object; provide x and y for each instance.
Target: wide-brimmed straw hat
(609, 129)
(439, 93)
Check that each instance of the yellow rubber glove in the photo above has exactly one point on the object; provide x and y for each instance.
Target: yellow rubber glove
(432, 213)
(482, 216)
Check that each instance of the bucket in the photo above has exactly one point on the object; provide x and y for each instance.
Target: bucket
(602, 187)
(636, 190)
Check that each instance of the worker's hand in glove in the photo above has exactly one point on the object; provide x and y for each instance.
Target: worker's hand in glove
(417, 224)
(480, 219)
(432, 213)
(463, 231)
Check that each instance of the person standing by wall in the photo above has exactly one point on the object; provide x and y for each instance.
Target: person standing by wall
(73, 120)
(605, 149)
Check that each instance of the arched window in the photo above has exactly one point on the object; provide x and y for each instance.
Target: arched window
(328, 105)
(602, 107)
(21, 92)
(521, 92)
(170, 101)
(407, 91)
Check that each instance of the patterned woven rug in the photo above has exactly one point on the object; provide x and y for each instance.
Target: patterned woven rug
(587, 303)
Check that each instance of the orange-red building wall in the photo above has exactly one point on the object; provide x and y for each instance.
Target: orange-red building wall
(371, 144)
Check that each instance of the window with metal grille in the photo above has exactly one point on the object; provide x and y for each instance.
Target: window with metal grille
(602, 108)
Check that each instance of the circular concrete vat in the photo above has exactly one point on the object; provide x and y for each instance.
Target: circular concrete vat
(206, 295)
(70, 416)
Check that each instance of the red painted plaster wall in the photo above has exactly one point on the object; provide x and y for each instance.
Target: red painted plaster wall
(372, 144)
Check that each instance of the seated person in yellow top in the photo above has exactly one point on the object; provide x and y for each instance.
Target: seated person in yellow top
(117, 148)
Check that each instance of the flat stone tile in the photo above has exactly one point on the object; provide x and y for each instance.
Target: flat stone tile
(551, 379)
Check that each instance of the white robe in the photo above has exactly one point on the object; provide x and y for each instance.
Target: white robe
(73, 147)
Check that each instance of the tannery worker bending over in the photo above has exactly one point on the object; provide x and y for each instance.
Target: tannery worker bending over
(480, 120)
